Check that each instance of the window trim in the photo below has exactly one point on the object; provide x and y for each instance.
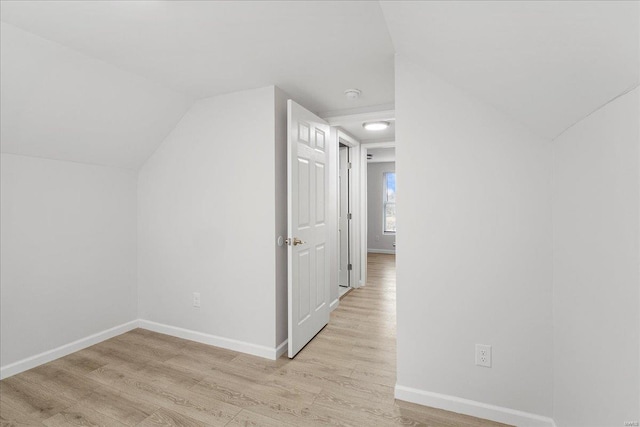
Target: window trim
(385, 203)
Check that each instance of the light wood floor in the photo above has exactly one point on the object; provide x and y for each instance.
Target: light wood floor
(344, 377)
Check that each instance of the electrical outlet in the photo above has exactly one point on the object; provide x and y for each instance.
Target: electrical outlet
(377, 238)
(483, 355)
(196, 299)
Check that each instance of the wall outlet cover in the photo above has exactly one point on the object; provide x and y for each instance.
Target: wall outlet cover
(483, 355)
(196, 299)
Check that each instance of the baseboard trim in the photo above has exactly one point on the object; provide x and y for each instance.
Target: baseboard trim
(334, 304)
(228, 343)
(64, 350)
(472, 407)
(381, 251)
(282, 348)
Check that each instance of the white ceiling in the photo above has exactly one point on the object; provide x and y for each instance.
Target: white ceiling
(355, 129)
(547, 64)
(313, 50)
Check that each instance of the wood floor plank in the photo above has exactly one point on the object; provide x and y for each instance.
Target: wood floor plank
(166, 417)
(119, 406)
(206, 409)
(78, 363)
(60, 382)
(11, 415)
(377, 376)
(31, 399)
(249, 419)
(80, 415)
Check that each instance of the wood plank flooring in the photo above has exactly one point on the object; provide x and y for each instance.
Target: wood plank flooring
(344, 377)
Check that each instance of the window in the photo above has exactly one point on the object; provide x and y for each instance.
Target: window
(389, 202)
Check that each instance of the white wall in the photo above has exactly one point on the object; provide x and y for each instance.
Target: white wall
(207, 221)
(377, 239)
(474, 250)
(68, 253)
(281, 214)
(596, 281)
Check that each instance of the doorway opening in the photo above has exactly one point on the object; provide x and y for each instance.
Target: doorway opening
(357, 147)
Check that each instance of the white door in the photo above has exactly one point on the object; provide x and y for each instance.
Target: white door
(307, 184)
(343, 218)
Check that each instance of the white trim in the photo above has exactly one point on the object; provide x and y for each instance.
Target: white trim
(335, 303)
(282, 348)
(222, 342)
(378, 143)
(381, 251)
(355, 193)
(472, 407)
(63, 350)
(385, 115)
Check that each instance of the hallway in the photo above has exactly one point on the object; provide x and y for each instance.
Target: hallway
(344, 377)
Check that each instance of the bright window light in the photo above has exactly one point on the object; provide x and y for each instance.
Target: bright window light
(389, 202)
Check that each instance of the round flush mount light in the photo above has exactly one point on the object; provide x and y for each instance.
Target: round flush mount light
(375, 125)
(352, 94)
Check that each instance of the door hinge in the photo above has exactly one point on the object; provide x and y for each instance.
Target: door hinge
(349, 266)
(349, 165)
(349, 216)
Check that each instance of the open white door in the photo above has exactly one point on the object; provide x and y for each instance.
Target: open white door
(307, 185)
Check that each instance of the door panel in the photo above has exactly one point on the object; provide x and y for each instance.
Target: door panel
(320, 275)
(303, 193)
(304, 285)
(321, 207)
(308, 179)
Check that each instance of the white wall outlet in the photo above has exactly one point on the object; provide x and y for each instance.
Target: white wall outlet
(196, 299)
(483, 355)
(377, 238)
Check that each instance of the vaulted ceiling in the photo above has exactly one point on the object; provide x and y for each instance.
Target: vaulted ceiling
(104, 82)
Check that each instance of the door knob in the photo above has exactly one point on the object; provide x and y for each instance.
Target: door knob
(295, 241)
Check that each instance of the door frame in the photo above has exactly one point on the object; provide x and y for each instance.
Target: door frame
(356, 279)
(340, 213)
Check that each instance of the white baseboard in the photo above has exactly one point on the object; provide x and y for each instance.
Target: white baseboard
(334, 304)
(282, 348)
(381, 251)
(473, 408)
(56, 353)
(228, 343)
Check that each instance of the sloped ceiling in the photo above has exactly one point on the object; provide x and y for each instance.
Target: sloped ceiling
(546, 64)
(59, 104)
(313, 50)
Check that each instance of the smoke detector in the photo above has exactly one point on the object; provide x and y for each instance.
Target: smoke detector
(352, 94)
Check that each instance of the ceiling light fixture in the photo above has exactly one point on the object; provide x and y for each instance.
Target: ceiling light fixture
(352, 94)
(375, 125)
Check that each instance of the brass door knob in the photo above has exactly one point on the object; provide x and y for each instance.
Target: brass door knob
(295, 241)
